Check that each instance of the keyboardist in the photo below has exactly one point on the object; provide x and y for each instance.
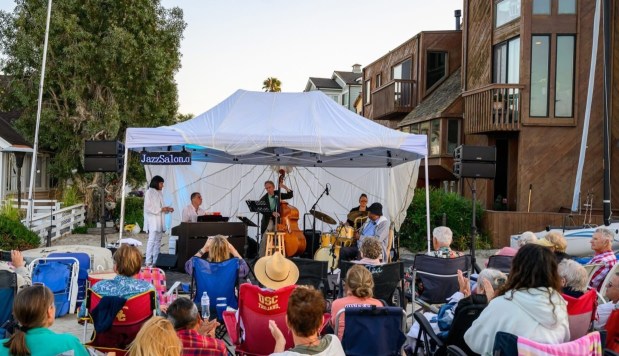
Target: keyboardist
(193, 210)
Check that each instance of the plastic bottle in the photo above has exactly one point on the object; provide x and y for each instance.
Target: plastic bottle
(205, 306)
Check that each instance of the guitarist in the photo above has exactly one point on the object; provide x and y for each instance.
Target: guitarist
(268, 219)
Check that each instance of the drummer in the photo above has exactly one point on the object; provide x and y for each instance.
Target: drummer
(363, 206)
(377, 227)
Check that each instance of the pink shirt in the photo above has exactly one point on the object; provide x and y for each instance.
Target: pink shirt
(349, 301)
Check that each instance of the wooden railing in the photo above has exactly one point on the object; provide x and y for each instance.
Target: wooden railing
(495, 107)
(395, 97)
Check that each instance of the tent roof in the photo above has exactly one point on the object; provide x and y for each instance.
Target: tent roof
(293, 129)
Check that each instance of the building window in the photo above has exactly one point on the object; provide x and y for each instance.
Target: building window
(567, 7)
(401, 70)
(564, 76)
(367, 89)
(379, 80)
(435, 68)
(453, 135)
(541, 7)
(335, 97)
(540, 54)
(435, 137)
(507, 62)
(506, 11)
(415, 129)
(406, 129)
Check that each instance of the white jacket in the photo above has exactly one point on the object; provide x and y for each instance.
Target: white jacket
(153, 216)
(528, 314)
(334, 349)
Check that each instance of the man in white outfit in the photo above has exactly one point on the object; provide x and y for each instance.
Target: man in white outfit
(154, 219)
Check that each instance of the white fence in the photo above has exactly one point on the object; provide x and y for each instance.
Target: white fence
(48, 213)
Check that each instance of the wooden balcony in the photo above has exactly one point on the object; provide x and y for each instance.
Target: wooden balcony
(396, 97)
(492, 108)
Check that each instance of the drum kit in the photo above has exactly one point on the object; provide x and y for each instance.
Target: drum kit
(343, 236)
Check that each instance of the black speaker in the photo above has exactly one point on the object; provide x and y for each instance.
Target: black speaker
(103, 164)
(166, 261)
(472, 169)
(104, 148)
(312, 240)
(475, 153)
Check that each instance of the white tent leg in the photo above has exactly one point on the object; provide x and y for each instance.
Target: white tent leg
(123, 193)
(427, 200)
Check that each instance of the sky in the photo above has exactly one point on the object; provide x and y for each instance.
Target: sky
(237, 44)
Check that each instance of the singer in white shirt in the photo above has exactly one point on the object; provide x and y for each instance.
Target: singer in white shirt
(193, 210)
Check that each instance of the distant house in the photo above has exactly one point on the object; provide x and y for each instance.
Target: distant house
(342, 87)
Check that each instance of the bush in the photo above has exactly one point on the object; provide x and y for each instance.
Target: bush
(458, 211)
(134, 210)
(15, 236)
(71, 196)
(8, 211)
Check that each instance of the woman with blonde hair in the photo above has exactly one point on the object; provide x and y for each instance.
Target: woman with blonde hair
(34, 310)
(559, 244)
(359, 289)
(219, 250)
(157, 337)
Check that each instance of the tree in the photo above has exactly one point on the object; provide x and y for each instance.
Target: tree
(110, 65)
(272, 84)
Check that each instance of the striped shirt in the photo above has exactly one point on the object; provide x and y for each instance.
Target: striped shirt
(607, 260)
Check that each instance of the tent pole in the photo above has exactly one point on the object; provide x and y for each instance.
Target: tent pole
(123, 193)
(427, 200)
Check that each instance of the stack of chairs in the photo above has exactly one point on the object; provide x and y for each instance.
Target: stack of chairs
(60, 275)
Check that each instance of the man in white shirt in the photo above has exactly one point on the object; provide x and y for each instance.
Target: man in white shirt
(604, 310)
(193, 210)
(377, 227)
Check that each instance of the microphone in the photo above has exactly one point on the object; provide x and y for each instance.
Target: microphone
(327, 189)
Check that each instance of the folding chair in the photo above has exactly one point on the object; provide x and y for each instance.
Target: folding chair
(82, 276)
(506, 344)
(386, 326)
(388, 281)
(217, 279)
(156, 277)
(581, 313)
(607, 279)
(591, 269)
(250, 332)
(126, 325)
(313, 273)
(612, 330)
(502, 263)
(8, 289)
(59, 274)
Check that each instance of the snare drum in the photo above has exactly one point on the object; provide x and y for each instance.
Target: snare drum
(94, 278)
(345, 232)
(324, 254)
(326, 240)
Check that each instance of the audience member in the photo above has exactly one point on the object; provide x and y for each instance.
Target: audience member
(304, 319)
(219, 250)
(573, 278)
(559, 244)
(34, 310)
(276, 271)
(601, 244)
(359, 290)
(127, 264)
(18, 266)
(528, 305)
(612, 295)
(157, 337)
(195, 335)
(441, 241)
(371, 252)
(525, 238)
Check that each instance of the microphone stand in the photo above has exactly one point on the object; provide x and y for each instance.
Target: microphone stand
(313, 209)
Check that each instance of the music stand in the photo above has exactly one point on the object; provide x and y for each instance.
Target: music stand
(260, 207)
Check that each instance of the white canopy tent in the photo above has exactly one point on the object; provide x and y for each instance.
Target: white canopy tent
(244, 140)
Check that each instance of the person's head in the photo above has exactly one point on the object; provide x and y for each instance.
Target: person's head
(33, 308)
(127, 260)
(526, 238)
(269, 186)
(218, 250)
(359, 282)
(156, 183)
(305, 311)
(602, 240)
(441, 237)
(612, 289)
(534, 266)
(196, 199)
(371, 248)
(557, 240)
(363, 200)
(573, 275)
(183, 314)
(494, 276)
(375, 211)
(156, 337)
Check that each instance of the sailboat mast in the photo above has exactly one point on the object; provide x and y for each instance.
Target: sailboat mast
(606, 9)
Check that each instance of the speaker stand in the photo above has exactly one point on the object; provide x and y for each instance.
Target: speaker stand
(474, 267)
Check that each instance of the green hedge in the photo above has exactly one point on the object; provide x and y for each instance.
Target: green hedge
(458, 211)
(134, 210)
(15, 236)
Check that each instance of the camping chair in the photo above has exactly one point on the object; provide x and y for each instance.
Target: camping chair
(506, 344)
(607, 279)
(313, 273)
(502, 263)
(386, 325)
(256, 308)
(591, 269)
(217, 279)
(612, 330)
(59, 274)
(438, 276)
(82, 275)
(388, 282)
(126, 325)
(581, 312)
(156, 277)
(8, 289)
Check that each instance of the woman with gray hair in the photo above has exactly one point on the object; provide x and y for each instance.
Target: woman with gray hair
(573, 277)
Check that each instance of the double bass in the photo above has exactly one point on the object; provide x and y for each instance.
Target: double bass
(288, 223)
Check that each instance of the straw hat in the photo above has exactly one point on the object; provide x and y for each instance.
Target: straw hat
(276, 271)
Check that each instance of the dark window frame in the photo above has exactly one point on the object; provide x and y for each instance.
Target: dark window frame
(445, 69)
(549, 74)
(574, 49)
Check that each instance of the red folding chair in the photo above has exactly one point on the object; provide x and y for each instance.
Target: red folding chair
(156, 277)
(581, 312)
(126, 325)
(612, 331)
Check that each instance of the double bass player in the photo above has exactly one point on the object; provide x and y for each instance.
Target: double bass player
(268, 219)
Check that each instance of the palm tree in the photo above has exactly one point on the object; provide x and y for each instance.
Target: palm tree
(272, 84)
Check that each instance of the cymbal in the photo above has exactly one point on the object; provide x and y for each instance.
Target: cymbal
(323, 217)
(357, 214)
(246, 221)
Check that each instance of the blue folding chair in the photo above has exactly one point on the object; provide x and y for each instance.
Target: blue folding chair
(82, 275)
(8, 289)
(386, 325)
(59, 274)
(218, 279)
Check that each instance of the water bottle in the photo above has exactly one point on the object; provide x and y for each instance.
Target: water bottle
(205, 305)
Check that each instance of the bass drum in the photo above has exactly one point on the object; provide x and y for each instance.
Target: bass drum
(324, 254)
